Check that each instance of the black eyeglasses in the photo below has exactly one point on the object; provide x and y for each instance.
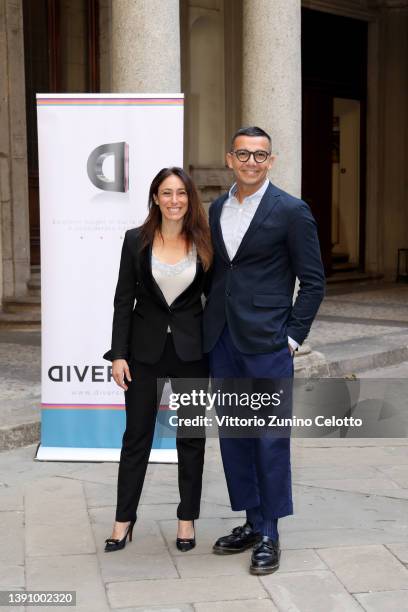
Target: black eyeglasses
(243, 155)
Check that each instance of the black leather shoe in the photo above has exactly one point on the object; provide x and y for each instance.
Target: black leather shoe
(239, 540)
(185, 544)
(265, 557)
(112, 544)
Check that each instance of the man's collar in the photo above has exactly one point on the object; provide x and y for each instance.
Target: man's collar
(257, 195)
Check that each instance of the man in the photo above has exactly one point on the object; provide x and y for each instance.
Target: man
(263, 239)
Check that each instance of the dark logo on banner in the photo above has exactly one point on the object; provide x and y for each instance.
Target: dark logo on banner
(71, 373)
(120, 153)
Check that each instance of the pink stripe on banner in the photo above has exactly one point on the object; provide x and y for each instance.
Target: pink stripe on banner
(110, 101)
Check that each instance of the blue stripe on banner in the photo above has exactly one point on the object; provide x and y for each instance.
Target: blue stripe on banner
(97, 429)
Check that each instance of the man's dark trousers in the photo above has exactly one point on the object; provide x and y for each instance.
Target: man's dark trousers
(257, 469)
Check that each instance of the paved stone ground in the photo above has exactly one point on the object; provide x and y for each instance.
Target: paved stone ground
(345, 549)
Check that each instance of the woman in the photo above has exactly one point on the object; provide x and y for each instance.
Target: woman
(162, 267)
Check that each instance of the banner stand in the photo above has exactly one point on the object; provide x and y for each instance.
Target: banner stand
(98, 154)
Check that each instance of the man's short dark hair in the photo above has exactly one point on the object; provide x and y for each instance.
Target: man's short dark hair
(251, 131)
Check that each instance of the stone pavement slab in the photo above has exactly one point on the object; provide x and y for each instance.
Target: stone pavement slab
(358, 455)
(252, 605)
(345, 443)
(184, 590)
(398, 474)
(78, 573)
(100, 495)
(208, 565)
(376, 486)
(216, 493)
(155, 493)
(300, 560)
(171, 608)
(341, 509)
(400, 551)
(11, 498)
(217, 565)
(11, 576)
(136, 566)
(18, 467)
(384, 601)
(343, 518)
(97, 473)
(310, 474)
(315, 591)
(12, 538)
(366, 568)
(321, 538)
(57, 518)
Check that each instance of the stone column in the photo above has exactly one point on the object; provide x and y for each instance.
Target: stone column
(271, 83)
(14, 217)
(146, 46)
(272, 100)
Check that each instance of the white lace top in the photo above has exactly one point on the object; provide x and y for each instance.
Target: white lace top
(173, 279)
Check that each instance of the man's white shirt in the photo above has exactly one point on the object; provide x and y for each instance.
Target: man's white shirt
(235, 221)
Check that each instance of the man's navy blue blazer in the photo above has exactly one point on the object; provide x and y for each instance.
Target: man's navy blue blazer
(253, 292)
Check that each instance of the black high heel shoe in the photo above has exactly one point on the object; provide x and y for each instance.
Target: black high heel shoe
(185, 544)
(111, 544)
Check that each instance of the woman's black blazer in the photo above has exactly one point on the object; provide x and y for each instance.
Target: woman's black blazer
(142, 316)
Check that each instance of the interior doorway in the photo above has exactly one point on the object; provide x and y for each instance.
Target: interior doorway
(334, 93)
(60, 56)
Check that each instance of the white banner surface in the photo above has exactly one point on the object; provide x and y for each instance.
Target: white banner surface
(97, 155)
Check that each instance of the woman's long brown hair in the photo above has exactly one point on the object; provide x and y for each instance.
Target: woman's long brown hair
(195, 225)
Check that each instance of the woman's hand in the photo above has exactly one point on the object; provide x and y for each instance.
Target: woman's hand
(120, 370)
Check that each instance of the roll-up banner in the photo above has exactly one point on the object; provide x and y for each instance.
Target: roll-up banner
(97, 157)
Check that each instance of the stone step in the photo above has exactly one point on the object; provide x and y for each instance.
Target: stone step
(340, 258)
(34, 284)
(352, 277)
(346, 266)
(27, 303)
(26, 320)
(23, 434)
